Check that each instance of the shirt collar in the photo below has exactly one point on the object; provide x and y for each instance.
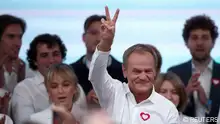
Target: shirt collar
(39, 77)
(210, 65)
(152, 98)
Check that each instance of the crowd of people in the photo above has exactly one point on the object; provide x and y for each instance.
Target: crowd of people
(97, 88)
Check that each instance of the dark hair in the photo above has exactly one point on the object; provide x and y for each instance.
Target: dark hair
(6, 20)
(91, 19)
(177, 84)
(200, 22)
(141, 48)
(48, 39)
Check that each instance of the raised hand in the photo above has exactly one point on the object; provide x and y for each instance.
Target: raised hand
(64, 114)
(108, 30)
(92, 98)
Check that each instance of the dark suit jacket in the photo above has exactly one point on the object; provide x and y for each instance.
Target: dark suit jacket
(82, 72)
(184, 71)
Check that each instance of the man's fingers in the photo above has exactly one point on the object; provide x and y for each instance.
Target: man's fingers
(107, 14)
(116, 16)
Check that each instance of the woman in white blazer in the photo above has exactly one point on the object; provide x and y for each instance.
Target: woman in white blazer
(62, 87)
(170, 86)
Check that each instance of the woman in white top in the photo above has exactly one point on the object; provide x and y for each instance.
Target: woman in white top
(62, 87)
(170, 86)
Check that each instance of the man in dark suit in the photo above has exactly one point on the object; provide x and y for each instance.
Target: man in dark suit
(201, 75)
(91, 37)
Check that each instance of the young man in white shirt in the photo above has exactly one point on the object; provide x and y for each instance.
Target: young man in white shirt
(30, 96)
(135, 102)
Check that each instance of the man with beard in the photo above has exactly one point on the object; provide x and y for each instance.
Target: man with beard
(201, 75)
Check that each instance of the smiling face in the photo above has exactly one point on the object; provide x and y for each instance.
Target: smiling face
(140, 72)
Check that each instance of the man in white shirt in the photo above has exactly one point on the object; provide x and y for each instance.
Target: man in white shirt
(12, 68)
(30, 96)
(135, 102)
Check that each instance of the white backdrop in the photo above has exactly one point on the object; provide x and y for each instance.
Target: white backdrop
(158, 22)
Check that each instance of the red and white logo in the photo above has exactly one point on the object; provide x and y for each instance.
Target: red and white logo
(145, 116)
(215, 81)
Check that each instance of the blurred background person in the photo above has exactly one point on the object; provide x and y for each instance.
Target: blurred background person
(201, 74)
(170, 86)
(91, 38)
(12, 68)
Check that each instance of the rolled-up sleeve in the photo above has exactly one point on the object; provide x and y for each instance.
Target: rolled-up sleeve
(104, 85)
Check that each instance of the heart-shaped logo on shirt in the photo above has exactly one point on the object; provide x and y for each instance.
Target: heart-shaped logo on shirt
(215, 81)
(145, 116)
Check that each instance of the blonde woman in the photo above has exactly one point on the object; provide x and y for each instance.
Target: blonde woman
(63, 90)
(170, 86)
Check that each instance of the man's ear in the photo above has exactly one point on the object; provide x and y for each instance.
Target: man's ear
(124, 70)
(84, 37)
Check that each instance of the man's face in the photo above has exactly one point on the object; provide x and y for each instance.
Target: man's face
(11, 40)
(91, 37)
(200, 44)
(140, 72)
(47, 57)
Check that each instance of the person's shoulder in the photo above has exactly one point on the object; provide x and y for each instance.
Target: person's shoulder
(178, 66)
(164, 100)
(77, 62)
(114, 60)
(167, 106)
(25, 85)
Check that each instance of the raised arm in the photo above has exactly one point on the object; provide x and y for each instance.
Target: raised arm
(103, 84)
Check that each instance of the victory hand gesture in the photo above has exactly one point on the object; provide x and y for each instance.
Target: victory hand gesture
(107, 30)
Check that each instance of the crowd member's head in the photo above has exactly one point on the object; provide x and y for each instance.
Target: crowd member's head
(45, 50)
(200, 34)
(91, 35)
(170, 86)
(140, 66)
(62, 85)
(11, 31)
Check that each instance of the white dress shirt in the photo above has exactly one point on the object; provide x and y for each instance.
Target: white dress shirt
(205, 81)
(30, 96)
(115, 97)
